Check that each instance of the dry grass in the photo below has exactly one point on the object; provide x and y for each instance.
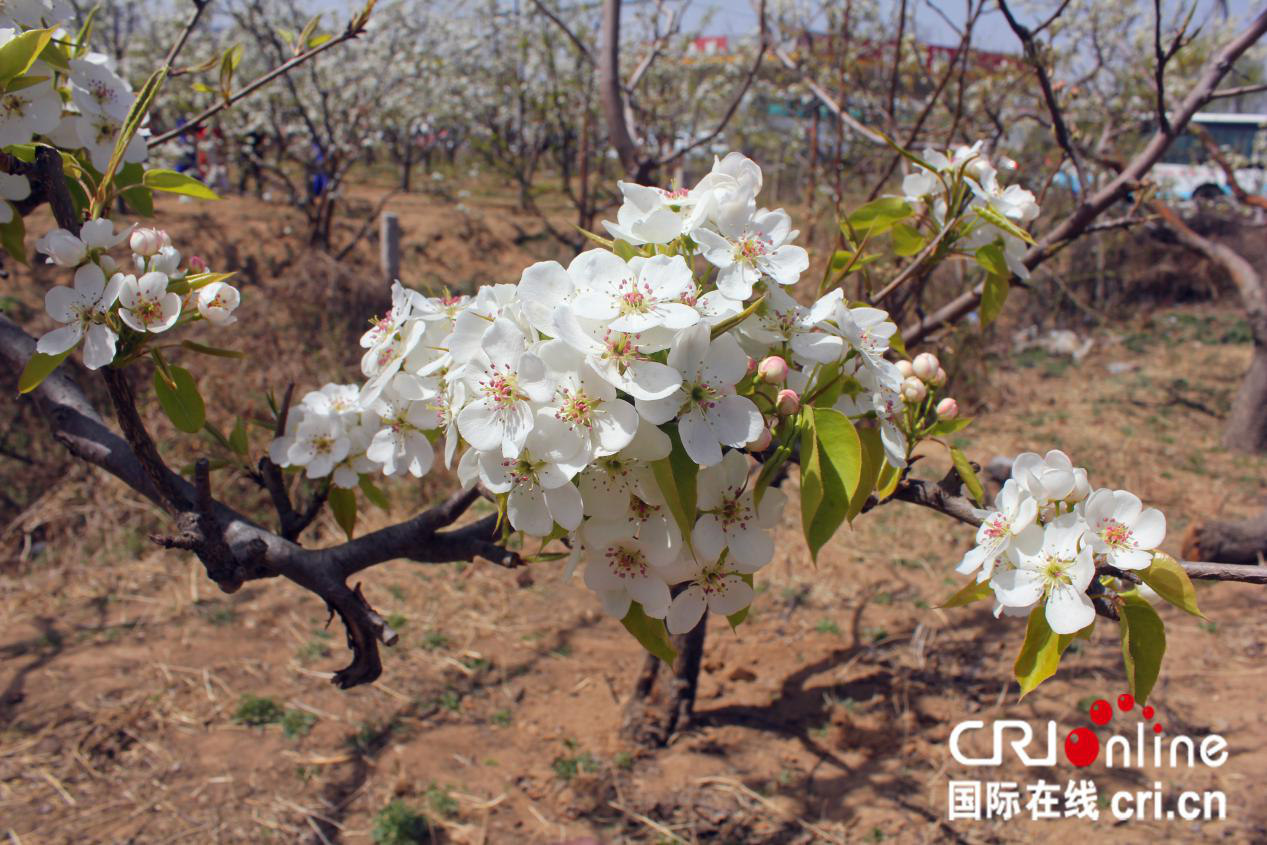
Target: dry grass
(823, 719)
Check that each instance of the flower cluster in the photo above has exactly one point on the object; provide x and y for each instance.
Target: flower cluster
(999, 211)
(561, 394)
(107, 301)
(1048, 532)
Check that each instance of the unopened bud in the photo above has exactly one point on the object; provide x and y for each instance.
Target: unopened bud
(925, 366)
(763, 441)
(905, 368)
(787, 403)
(772, 370)
(947, 409)
(752, 365)
(913, 390)
(148, 241)
(940, 378)
(197, 264)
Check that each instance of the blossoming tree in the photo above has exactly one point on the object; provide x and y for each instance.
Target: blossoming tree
(634, 413)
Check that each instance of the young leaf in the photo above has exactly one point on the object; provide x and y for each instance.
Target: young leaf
(872, 463)
(993, 217)
(177, 183)
(37, 369)
(215, 351)
(811, 474)
(968, 475)
(1040, 653)
(180, 400)
(237, 438)
(991, 258)
(768, 471)
(343, 506)
(650, 632)
(966, 595)
(993, 296)
(21, 51)
(1143, 644)
(907, 240)
(881, 215)
(840, 445)
(1169, 581)
(374, 493)
(676, 477)
(943, 427)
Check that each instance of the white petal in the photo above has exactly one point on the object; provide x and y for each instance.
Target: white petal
(99, 347)
(733, 596)
(1069, 610)
(59, 340)
(565, 506)
(686, 610)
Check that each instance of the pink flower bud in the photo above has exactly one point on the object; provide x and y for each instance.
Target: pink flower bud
(925, 366)
(913, 390)
(197, 264)
(947, 409)
(940, 378)
(148, 242)
(763, 441)
(752, 366)
(905, 368)
(788, 402)
(772, 370)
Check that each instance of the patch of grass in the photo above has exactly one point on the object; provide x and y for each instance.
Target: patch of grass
(623, 760)
(400, 824)
(450, 700)
(256, 711)
(441, 802)
(314, 649)
(875, 635)
(397, 592)
(434, 640)
(827, 626)
(396, 621)
(297, 723)
(567, 767)
(502, 718)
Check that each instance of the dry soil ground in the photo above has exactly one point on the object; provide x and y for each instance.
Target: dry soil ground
(125, 676)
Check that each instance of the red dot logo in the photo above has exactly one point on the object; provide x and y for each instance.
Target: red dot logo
(1082, 747)
(1125, 701)
(1101, 712)
(1148, 712)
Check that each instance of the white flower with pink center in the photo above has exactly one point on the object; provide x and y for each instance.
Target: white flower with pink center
(1057, 574)
(147, 305)
(709, 413)
(623, 569)
(1122, 530)
(730, 520)
(715, 587)
(83, 309)
(401, 443)
(583, 419)
(217, 302)
(648, 294)
(747, 247)
(622, 359)
(1012, 522)
(540, 492)
(503, 379)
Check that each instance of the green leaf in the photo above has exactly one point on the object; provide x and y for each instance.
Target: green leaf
(840, 445)
(1169, 580)
(650, 632)
(56, 56)
(180, 401)
(897, 344)
(140, 199)
(880, 215)
(768, 470)
(598, 239)
(228, 64)
(735, 319)
(177, 183)
(1040, 653)
(215, 351)
(136, 115)
(872, 463)
(13, 239)
(38, 368)
(201, 280)
(737, 618)
(237, 438)
(307, 32)
(374, 493)
(993, 217)
(623, 249)
(991, 258)
(968, 475)
(676, 476)
(993, 296)
(907, 240)
(943, 427)
(343, 506)
(17, 56)
(824, 496)
(969, 593)
(811, 475)
(1143, 644)
(887, 481)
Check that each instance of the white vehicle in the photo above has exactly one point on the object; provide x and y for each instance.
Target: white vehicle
(1186, 171)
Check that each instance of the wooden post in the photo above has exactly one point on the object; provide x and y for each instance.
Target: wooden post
(389, 246)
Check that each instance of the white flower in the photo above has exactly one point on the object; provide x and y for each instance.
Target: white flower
(541, 492)
(1011, 521)
(653, 215)
(98, 133)
(1121, 530)
(383, 329)
(95, 89)
(618, 357)
(319, 443)
(29, 111)
(865, 330)
(728, 518)
(1051, 477)
(1058, 573)
(609, 483)
(647, 295)
(13, 187)
(712, 415)
(502, 380)
(712, 586)
(67, 250)
(33, 14)
(83, 310)
(401, 444)
(147, 306)
(747, 248)
(616, 561)
(583, 419)
(217, 301)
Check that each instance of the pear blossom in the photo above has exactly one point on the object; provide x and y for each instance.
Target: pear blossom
(504, 378)
(98, 133)
(541, 492)
(743, 250)
(729, 519)
(13, 188)
(1057, 574)
(401, 445)
(83, 309)
(217, 302)
(1122, 530)
(147, 305)
(709, 412)
(710, 587)
(1012, 522)
(583, 417)
(66, 249)
(620, 358)
(1051, 477)
(95, 89)
(29, 111)
(319, 443)
(648, 295)
(618, 561)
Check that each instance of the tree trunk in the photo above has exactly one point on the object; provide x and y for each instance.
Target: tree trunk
(1227, 542)
(407, 169)
(657, 712)
(610, 89)
(1246, 429)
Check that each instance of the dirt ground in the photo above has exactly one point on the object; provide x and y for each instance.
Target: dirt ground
(127, 681)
